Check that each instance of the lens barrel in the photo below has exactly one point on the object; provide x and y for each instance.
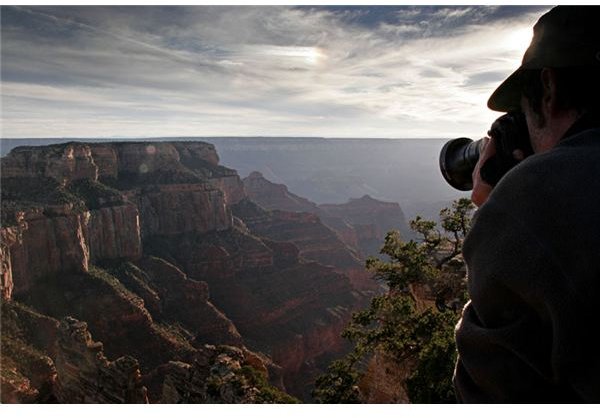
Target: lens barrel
(457, 162)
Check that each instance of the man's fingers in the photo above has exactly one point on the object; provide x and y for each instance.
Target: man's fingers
(480, 193)
(481, 189)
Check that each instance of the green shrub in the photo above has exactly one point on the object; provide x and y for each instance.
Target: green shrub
(395, 327)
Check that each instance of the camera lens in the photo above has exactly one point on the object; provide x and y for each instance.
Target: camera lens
(457, 162)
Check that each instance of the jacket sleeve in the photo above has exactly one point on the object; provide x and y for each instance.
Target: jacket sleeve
(506, 338)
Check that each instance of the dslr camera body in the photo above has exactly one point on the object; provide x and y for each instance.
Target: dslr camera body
(459, 156)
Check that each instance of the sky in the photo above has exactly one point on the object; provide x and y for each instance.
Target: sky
(337, 71)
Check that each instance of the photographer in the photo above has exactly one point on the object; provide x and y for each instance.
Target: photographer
(533, 253)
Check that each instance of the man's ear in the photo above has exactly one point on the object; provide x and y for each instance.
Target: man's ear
(549, 97)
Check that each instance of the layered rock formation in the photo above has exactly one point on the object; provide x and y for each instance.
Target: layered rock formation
(113, 233)
(179, 208)
(291, 310)
(183, 300)
(177, 271)
(305, 230)
(360, 223)
(275, 196)
(371, 219)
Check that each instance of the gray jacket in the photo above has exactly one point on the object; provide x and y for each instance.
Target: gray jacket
(533, 259)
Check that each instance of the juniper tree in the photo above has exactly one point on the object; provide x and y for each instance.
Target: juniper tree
(400, 325)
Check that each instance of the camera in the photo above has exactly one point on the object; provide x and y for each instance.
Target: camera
(459, 156)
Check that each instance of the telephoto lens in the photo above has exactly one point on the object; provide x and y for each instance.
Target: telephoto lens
(457, 162)
(459, 156)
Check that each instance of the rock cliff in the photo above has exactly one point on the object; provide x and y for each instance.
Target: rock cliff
(61, 239)
(47, 243)
(113, 233)
(158, 249)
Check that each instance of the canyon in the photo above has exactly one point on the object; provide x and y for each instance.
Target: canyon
(197, 285)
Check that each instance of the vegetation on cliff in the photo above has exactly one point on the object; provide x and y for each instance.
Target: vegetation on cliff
(22, 193)
(412, 324)
(96, 195)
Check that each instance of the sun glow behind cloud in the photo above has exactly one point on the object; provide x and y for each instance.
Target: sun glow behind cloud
(519, 39)
(306, 54)
(285, 71)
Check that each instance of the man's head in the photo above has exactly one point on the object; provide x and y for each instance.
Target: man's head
(567, 37)
(559, 78)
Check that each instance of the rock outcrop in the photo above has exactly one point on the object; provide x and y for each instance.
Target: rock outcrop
(54, 237)
(130, 237)
(87, 376)
(220, 374)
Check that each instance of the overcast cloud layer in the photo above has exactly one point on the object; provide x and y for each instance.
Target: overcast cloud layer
(396, 72)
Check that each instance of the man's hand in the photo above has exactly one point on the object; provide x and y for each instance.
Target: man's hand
(481, 189)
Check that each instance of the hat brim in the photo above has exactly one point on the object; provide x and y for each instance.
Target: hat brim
(507, 97)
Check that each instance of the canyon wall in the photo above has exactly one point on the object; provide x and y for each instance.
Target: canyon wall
(159, 250)
(360, 223)
(47, 243)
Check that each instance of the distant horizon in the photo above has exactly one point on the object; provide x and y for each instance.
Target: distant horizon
(74, 138)
(325, 170)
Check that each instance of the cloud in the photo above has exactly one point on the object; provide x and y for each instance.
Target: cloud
(210, 70)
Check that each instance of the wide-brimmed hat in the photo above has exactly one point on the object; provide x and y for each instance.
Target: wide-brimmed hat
(566, 36)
